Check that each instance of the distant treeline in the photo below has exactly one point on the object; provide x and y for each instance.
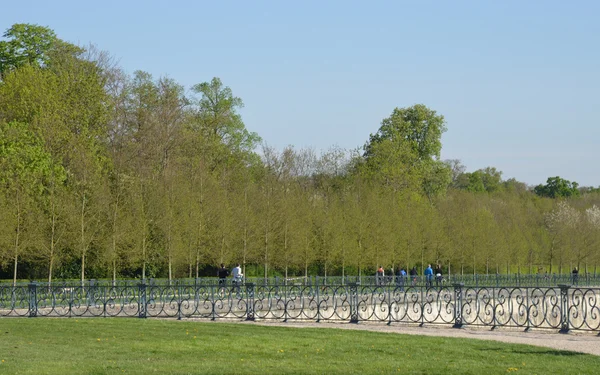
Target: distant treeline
(106, 175)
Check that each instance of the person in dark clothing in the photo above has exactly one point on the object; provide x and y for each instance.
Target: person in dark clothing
(222, 273)
(379, 276)
(575, 275)
(438, 275)
(400, 277)
(413, 275)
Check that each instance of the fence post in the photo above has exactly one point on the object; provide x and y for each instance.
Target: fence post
(213, 293)
(353, 302)
(422, 300)
(91, 294)
(179, 301)
(143, 302)
(285, 302)
(564, 308)
(33, 308)
(528, 327)
(458, 296)
(318, 304)
(196, 295)
(250, 302)
(390, 301)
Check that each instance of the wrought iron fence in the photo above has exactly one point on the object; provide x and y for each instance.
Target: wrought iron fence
(562, 307)
(476, 280)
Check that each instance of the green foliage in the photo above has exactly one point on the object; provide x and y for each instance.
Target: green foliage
(482, 180)
(33, 45)
(219, 126)
(26, 44)
(127, 176)
(404, 153)
(419, 127)
(557, 187)
(24, 163)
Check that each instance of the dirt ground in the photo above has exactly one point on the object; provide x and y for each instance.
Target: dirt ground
(584, 342)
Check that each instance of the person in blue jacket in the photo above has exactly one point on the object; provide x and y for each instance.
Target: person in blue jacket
(400, 278)
(428, 276)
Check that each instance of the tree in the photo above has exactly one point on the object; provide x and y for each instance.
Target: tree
(482, 180)
(24, 167)
(55, 225)
(26, 44)
(271, 218)
(169, 112)
(587, 236)
(457, 170)
(225, 137)
(418, 126)
(557, 187)
(561, 225)
(405, 151)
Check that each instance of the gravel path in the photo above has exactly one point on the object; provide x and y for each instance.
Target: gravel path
(576, 342)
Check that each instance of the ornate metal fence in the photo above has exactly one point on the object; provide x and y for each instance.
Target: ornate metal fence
(476, 280)
(562, 308)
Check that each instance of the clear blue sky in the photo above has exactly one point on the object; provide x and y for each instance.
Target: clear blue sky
(517, 81)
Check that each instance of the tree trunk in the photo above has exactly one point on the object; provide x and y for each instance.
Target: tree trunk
(144, 257)
(50, 270)
(114, 239)
(17, 238)
(15, 269)
(307, 242)
(266, 250)
(83, 246)
(52, 245)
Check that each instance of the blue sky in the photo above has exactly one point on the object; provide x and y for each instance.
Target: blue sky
(517, 81)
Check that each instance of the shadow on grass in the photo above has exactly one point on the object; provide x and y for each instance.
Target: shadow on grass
(560, 353)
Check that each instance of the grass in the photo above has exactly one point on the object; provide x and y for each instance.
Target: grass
(138, 346)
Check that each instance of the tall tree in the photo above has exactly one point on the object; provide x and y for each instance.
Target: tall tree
(24, 167)
(225, 137)
(27, 44)
(406, 148)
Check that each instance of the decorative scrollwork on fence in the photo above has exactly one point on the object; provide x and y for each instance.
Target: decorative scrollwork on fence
(563, 307)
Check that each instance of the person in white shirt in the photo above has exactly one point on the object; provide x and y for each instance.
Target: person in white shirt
(237, 277)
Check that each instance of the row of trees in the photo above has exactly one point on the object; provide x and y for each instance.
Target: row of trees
(108, 175)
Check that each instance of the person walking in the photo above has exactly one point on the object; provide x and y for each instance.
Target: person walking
(400, 278)
(413, 275)
(438, 275)
(222, 273)
(575, 275)
(237, 277)
(379, 276)
(428, 276)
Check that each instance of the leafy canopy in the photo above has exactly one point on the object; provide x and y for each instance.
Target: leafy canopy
(557, 187)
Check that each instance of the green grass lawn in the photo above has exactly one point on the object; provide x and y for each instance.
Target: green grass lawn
(137, 346)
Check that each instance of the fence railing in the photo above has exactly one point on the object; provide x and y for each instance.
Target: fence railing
(477, 280)
(562, 307)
